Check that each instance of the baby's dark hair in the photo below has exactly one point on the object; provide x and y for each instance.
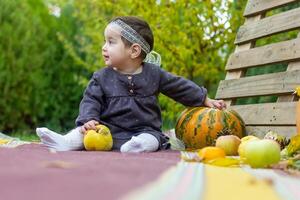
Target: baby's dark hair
(141, 27)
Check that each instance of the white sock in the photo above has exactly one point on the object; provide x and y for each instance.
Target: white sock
(71, 141)
(144, 142)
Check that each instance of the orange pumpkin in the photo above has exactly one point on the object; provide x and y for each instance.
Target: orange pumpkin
(200, 126)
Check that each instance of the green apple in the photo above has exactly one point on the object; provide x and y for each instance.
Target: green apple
(261, 153)
(229, 143)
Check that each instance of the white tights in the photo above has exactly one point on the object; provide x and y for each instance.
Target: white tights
(73, 140)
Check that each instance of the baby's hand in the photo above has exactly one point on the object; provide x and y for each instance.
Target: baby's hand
(88, 126)
(212, 103)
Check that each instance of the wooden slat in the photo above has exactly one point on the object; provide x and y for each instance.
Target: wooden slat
(242, 47)
(260, 118)
(269, 54)
(267, 84)
(268, 113)
(256, 6)
(285, 21)
(291, 66)
(260, 131)
(286, 98)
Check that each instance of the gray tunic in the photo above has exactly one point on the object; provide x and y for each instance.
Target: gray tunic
(128, 104)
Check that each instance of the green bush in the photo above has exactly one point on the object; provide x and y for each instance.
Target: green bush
(39, 82)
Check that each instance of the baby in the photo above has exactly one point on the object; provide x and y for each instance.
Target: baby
(124, 95)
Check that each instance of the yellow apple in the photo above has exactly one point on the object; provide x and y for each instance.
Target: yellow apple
(230, 144)
(248, 137)
(99, 139)
(244, 141)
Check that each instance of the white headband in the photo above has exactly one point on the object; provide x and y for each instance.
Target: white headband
(132, 36)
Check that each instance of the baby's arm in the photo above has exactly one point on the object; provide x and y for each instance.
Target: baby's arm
(186, 92)
(90, 105)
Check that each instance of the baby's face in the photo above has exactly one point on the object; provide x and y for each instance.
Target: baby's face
(114, 51)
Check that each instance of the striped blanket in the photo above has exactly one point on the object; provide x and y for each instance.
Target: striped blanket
(10, 142)
(193, 180)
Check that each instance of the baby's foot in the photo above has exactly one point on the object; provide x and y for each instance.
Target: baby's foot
(144, 142)
(132, 146)
(52, 139)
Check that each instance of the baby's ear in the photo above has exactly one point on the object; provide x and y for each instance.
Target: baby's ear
(136, 50)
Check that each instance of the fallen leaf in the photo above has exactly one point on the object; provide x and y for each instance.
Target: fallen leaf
(4, 141)
(225, 162)
(59, 164)
(294, 145)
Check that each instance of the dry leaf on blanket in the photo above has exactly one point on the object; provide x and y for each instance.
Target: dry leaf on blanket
(225, 162)
(4, 141)
(291, 165)
(58, 164)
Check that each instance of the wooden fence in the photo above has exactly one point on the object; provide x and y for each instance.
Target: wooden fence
(278, 116)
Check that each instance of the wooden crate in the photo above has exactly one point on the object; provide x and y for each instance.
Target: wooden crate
(278, 116)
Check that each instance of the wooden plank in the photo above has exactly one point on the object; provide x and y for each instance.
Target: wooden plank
(285, 21)
(256, 6)
(260, 131)
(288, 98)
(267, 84)
(239, 48)
(274, 53)
(268, 113)
(291, 66)
(294, 66)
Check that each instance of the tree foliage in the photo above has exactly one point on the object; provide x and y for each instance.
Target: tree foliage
(47, 60)
(38, 79)
(193, 37)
